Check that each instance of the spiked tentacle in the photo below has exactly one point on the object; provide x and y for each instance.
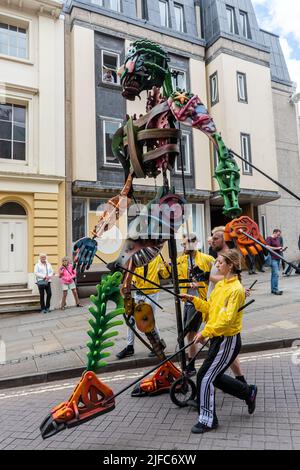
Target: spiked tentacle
(101, 322)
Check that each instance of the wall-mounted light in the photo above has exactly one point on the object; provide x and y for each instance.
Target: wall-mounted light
(294, 98)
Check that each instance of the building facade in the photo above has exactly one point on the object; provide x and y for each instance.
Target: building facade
(32, 137)
(218, 52)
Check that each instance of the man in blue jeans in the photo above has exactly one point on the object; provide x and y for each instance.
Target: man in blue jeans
(273, 242)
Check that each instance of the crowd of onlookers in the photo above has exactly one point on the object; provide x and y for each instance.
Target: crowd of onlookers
(44, 273)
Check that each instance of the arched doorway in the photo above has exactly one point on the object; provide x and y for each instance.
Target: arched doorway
(13, 244)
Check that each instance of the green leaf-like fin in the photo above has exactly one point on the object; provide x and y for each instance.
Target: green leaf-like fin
(101, 323)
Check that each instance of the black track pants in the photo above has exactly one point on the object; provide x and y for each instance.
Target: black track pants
(222, 352)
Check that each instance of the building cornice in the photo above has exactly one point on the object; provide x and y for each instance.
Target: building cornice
(99, 189)
(283, 85)
(131, 25)
(19, 176)
(238, 40)
(13, 87)
(133, 37)
(48, 7)
(246, 195)
(241, 51)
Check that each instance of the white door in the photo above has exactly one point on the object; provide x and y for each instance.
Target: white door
(13, 250)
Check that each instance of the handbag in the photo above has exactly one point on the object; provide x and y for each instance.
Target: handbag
(42, 282)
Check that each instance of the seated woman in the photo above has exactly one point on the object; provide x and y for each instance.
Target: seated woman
(223, 326)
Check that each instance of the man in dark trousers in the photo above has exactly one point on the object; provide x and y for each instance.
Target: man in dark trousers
(273, 242)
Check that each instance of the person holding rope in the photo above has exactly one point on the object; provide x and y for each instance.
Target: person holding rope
(220, 246)
(186, 263)
(153, 272)
(223, 326)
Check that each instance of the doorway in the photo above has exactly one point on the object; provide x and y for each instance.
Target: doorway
(13, 244)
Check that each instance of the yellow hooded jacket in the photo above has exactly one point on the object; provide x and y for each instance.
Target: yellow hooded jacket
(220, 312)
(156, 268)
(203, 261)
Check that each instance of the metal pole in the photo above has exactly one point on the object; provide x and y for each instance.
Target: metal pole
(269, 249)
(265, 174)
(173, 258)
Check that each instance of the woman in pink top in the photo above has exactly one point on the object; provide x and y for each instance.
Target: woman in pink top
(67, 276)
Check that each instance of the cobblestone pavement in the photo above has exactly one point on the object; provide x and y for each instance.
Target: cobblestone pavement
(156, 423)
(42, 343)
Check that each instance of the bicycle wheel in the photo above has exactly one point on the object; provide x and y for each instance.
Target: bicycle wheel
(182, 390)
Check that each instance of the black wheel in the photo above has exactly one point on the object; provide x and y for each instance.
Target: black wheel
(182, 390)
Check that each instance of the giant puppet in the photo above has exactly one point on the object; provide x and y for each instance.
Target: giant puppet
(146, 147)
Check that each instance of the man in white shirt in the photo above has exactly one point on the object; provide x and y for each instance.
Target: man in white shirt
(43, 272)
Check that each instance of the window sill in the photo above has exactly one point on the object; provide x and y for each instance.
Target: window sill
(16, 59)
(112, 86)
(10, 161)
(107, 166)
(179, 174)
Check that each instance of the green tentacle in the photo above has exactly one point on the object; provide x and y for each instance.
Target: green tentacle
(227, 174)
(108, 289)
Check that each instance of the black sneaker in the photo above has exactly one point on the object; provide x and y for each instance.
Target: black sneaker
(241, 378)
(277, 292)
(200, 428)
(252, 399)
(128, 351)
(151, 354)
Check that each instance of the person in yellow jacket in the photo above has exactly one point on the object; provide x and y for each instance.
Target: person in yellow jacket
(191, 260)
(152, 271)
(223, 326)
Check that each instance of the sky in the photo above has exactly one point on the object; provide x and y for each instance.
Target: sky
(282, 17)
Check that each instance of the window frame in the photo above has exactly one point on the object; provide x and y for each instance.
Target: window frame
(187, 172)
(215, 157)
(246, 171)
(244, 21)
(104, 120)
(19, 24)
(119, 10)
(181, 71)
(180, 7)
(86, 203)
(111, 53)
(211, 78)
(264, 228)
(240, 99)
(167, 6)
(12, 160)
(94, 2)
(144, 10)
(231, 9)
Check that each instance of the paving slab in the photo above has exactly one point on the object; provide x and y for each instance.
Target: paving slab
(155, 423)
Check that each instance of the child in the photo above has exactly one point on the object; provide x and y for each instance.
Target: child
(67, 276)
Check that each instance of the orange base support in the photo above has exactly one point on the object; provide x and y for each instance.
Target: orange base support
(89, 399)
(160, 382)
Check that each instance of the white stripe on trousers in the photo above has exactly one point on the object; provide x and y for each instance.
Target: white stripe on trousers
(138, 296)
(207, 389)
